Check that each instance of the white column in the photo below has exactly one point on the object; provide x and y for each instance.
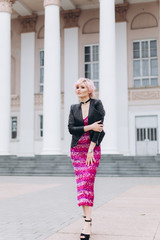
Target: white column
(108, 93)
(5, 69)
(51, 98)
(122, 86)
(70, 77)
(158, 135)
(27, 94)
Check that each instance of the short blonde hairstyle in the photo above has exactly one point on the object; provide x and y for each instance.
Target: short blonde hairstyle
(89, 83)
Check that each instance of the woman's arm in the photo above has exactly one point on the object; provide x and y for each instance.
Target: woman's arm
(82, 129)
(96, 126)
(100, 109)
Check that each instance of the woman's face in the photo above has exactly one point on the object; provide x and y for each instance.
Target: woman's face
(82, 90)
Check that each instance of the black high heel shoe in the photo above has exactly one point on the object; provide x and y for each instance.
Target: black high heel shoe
(83, 235)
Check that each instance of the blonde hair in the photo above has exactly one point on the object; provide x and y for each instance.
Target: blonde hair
(89, 83)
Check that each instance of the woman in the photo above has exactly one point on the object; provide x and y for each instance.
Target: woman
(86, 126)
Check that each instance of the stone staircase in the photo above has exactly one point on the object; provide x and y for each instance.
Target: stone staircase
(61, 165)
(133, 166)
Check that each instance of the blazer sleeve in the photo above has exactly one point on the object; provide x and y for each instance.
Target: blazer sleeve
(74, 130)
(99, 107)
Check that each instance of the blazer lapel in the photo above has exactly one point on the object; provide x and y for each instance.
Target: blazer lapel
(90, 111)
(80, 113)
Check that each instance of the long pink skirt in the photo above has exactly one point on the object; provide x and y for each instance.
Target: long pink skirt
(85, 175)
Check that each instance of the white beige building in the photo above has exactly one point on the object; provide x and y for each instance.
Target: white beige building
(47, 45)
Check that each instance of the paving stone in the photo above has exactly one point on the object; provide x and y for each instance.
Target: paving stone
(39, 207)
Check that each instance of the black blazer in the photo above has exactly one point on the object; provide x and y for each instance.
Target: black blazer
(76, 124)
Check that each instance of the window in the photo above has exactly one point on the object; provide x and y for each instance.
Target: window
(91, 63)
(147, 133)
(13, 127)
(41, 71)
(41, 125)
(145, 63)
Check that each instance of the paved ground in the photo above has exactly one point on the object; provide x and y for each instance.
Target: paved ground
(45, 208)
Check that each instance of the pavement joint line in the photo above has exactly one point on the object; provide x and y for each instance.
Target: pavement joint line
(158, 227)
(27, 211)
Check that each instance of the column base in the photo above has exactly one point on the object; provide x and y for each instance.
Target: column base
(51, 152)
(25, 155)
(127, 153)
(110, 152)
(5, 154)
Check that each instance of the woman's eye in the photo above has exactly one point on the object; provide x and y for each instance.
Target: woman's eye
(83, 87)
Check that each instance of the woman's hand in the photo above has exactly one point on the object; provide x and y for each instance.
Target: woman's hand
(90, 158)
(97, 127)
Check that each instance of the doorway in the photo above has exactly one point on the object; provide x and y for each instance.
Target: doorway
(146, 135)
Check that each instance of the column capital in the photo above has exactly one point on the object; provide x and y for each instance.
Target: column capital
(52, 2)
(71, 17)
(121, 12)
(6, 5)
(28, 23)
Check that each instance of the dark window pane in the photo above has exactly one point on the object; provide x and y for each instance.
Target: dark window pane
(95, 53)
(41, 75)
(41, 88)
(144, 49)
(153, 43)
(87, 58)
(41, 122)
(152, 134)
(154, 81)
(138, 134)
(88, 70)
(153, 48)
(14, 135)
(137, 83)
(87, 50)
(136, 50)
(41, 58)
(144, 133)
(145, 82)
(95, 71)
(136, 54)
(145, 68)
(149, 133)
(155, 133)
(14, 127)
(136, 68)
(41, 125)
(136, 46)
(141, 134)
(87, 54)
(154, 67)
(87, 67)
(87, 75)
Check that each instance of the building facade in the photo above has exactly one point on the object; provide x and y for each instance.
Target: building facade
(45, 46)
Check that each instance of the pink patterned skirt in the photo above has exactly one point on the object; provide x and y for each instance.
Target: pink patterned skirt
(85, 175)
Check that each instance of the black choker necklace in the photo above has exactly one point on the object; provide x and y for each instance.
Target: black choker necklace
(86, 101)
